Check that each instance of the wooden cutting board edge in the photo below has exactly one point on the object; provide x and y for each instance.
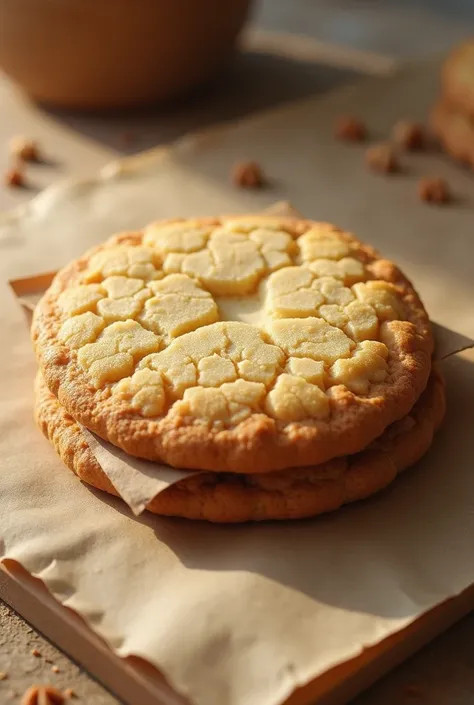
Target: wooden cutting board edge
(137, 682)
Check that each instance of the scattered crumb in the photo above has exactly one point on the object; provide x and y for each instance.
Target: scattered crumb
(350, 129)
(55, 669)
(14, 177)
(248, 175)
(24, 149)
(409, 135)
(413, 691)
(48, 660)
(3, 676)
(36, 652)
(69, 693)
(382, 158)
(42, 695)
(434, 190)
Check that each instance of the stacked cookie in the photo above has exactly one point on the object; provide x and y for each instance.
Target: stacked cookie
(281, 358)
(452, 118)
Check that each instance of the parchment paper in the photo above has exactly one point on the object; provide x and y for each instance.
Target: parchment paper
(137, 481)
(242, 615)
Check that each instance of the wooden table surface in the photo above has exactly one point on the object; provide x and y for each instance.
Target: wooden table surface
(443, 673)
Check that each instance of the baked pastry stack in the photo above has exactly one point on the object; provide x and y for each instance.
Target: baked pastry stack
(452, 118)
(282, 358)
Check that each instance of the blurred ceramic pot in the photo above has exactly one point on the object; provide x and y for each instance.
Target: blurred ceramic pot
(94, 54)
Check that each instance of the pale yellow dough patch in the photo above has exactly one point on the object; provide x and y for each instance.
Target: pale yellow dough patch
(145, 321)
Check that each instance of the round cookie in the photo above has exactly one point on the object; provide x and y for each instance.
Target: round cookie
(287, 494)
(454, 130)
(245, 344)
(457, 77)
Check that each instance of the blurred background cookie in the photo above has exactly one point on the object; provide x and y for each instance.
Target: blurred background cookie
(454, 130)
(457, 77)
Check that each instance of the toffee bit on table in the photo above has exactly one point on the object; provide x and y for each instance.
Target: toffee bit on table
(14, 177)
(382, 158)
(69, 693)
(409, 135)
(3, 676)
(36, 652)
(55, 669)
(248, 175)
(42, 695)
(350, 129)
(434, 190)
(25, 149)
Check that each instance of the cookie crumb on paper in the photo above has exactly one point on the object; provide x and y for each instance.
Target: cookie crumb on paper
(382, 158)
(434, 190)
(409, 135)
(350, 129)
(248, 175)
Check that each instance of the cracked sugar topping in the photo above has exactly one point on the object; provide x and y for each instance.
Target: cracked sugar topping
(218, 320)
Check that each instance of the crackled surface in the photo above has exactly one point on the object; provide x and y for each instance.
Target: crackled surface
(217, 321)
(152, 308)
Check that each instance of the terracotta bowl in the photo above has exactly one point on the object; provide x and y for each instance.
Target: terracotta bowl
(93, 54)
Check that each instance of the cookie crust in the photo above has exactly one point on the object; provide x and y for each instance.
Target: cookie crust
(259, 443)
(290, 494)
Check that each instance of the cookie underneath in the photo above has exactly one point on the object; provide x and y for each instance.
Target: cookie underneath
(289, 494)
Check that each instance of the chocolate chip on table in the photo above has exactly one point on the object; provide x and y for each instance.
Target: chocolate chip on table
(248, 175)
(382, 158)
(350, 129)
(434, 190)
